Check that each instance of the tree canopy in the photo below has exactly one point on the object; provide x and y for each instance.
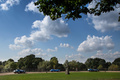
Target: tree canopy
(94, 63)
(32, 63)
(117, 61)
(54, 62)
(74, 8)
(29, 62)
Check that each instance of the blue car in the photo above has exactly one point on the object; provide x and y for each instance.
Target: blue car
(93, 70)
(19, 71)
(54, 70)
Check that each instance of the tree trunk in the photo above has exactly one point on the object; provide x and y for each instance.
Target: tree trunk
(67, 71)
(66, 64)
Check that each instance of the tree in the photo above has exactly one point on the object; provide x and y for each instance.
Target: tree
(0, 62)
(13, 66)
(107, 64)
(94, 63)
(98, 61)
(4, 63)
(21, 64)
(117, 61)
(29, 62)
(36, 62)
(74, 65)
(1, 68)
(102, 62)
(113, 67)
(82, 67)
(7, 65)
(88, 63)
(44, 66)
(100, 67)
(74, 8)
(66, 65)
(103, 6)
(10, 60)
(54, 62)
(61, 67)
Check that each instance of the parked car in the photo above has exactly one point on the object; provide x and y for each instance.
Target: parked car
(55, 70)
(93, 70)
(19, 71)
(96, 70)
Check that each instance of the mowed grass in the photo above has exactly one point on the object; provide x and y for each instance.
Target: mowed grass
(63, 76)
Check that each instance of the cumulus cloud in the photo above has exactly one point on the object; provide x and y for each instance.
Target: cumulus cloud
(26, 41)
(52, 50)
(44, 55)
(15, 47)
(65, 45)
(77, 57)
(106, 21)
(57, 28)
(107, 56)
(37, 52)
(21, 42)
(31, 51)
(31, 7)
(45, 29)
(96, 43)
(5, 5)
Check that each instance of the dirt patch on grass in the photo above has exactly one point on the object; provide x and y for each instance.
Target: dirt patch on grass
(10, 73)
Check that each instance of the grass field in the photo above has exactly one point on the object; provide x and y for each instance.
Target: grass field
(62, 76)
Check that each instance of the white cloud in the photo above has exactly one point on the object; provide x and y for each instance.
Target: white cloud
(31, 51)
(65, 45)
(31, 7)
(77, 57)
(21, 42)
(44, 55)
(37, 52)
(106, 21)
(8, 3)
(107, 56)
(45, 29)
(52, 50)
(25, 41)
(96, 43)
(15, 47)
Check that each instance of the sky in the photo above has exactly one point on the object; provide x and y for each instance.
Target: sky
(24, 31)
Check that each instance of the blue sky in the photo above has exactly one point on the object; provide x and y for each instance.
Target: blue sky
(24, 30)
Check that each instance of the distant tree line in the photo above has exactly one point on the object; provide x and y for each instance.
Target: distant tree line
(32, 63)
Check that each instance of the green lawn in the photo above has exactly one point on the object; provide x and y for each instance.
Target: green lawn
(62, 76)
